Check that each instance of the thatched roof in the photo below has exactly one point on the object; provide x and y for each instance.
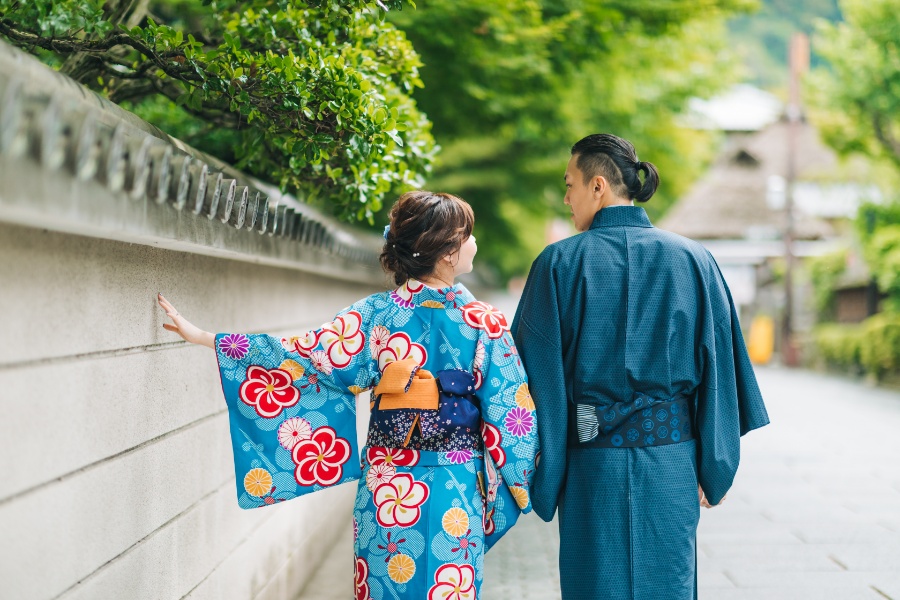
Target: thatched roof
(730, 201)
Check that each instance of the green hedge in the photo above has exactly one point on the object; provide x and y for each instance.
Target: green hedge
(872, 346)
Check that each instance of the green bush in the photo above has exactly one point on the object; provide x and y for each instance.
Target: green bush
(879, 351)
(883, 257)
(873, 345)
(839, 345)
(824, 272)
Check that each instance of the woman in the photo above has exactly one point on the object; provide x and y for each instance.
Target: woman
(451, 419)
(627, 438)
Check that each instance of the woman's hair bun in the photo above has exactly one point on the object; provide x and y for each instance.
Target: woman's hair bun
(425, 227)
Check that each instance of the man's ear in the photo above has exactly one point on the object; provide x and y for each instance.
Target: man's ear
(599, 184)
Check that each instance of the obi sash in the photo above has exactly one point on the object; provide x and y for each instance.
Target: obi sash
(636, 423)
(413, 409)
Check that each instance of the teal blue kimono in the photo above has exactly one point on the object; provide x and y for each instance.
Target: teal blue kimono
(645, 389)
(436, 488)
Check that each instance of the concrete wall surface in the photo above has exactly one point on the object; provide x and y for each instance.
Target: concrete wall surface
(117, 477)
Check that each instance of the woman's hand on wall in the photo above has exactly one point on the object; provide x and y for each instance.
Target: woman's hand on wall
(183, 327)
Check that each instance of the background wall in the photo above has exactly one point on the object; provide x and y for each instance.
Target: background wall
(117, 475)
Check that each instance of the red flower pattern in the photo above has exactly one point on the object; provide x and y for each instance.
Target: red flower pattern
(482, 315)
(362, 576)
(268, 391)
(492, 439)
(397, 457)
(320, 459)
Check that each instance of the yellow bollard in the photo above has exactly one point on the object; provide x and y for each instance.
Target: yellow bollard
(761, 342)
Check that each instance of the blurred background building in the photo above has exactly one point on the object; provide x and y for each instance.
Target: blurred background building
(737, 208)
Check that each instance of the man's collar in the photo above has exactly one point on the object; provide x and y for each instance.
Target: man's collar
(621, 216)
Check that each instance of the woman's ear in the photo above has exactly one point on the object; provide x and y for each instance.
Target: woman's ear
(452, 259)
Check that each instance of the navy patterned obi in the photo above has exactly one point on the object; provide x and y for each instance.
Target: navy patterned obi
(638, 423)
(455, 425)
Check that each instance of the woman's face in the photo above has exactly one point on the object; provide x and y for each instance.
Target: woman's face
(462, 259)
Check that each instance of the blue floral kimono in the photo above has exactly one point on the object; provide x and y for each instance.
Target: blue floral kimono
(436, 488)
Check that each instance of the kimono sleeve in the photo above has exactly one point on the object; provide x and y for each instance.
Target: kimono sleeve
(292, 406)
(729, 403)
(509, 430)
(538, 336)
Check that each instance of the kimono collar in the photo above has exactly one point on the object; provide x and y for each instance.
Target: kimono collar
(414, 293)
(621, 216)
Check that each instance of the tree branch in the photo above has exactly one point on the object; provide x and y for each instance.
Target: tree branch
(69, 44)
(131, 90)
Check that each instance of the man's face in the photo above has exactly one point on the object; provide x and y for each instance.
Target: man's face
(582, 199)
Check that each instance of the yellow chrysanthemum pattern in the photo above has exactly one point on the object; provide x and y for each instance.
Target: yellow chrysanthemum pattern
(294, 368)
(521, 496)
(455, 521)
(432, 304)
(258, 482)
(401, 568)
(523, 397)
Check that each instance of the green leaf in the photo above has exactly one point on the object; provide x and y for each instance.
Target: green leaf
(395, 136)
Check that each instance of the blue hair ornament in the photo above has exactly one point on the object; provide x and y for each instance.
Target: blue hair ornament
(386, 229)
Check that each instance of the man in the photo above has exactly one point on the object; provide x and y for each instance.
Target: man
(642, 383)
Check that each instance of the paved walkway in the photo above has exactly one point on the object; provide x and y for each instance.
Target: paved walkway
(814, 512)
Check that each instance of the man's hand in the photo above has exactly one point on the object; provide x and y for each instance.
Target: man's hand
(704, 502)
(187, 330)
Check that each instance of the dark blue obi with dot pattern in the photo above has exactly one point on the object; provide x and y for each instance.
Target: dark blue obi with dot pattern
(455, 425)
(637, 423)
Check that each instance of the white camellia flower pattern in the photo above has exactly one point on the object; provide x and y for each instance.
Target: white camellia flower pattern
(453, 582)
(400, 347)
(399, 501)
(303, 344)
(342, 339)
(403, 295)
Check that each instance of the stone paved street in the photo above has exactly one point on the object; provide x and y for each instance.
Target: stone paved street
(814, 513)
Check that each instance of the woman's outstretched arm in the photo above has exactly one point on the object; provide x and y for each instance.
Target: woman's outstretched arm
(185, 328)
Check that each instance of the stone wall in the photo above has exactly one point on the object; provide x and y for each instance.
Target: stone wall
(117, 480)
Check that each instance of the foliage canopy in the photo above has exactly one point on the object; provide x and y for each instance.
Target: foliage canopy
(510, 86)
(857, 96)
(313, 94)
(329, 98)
